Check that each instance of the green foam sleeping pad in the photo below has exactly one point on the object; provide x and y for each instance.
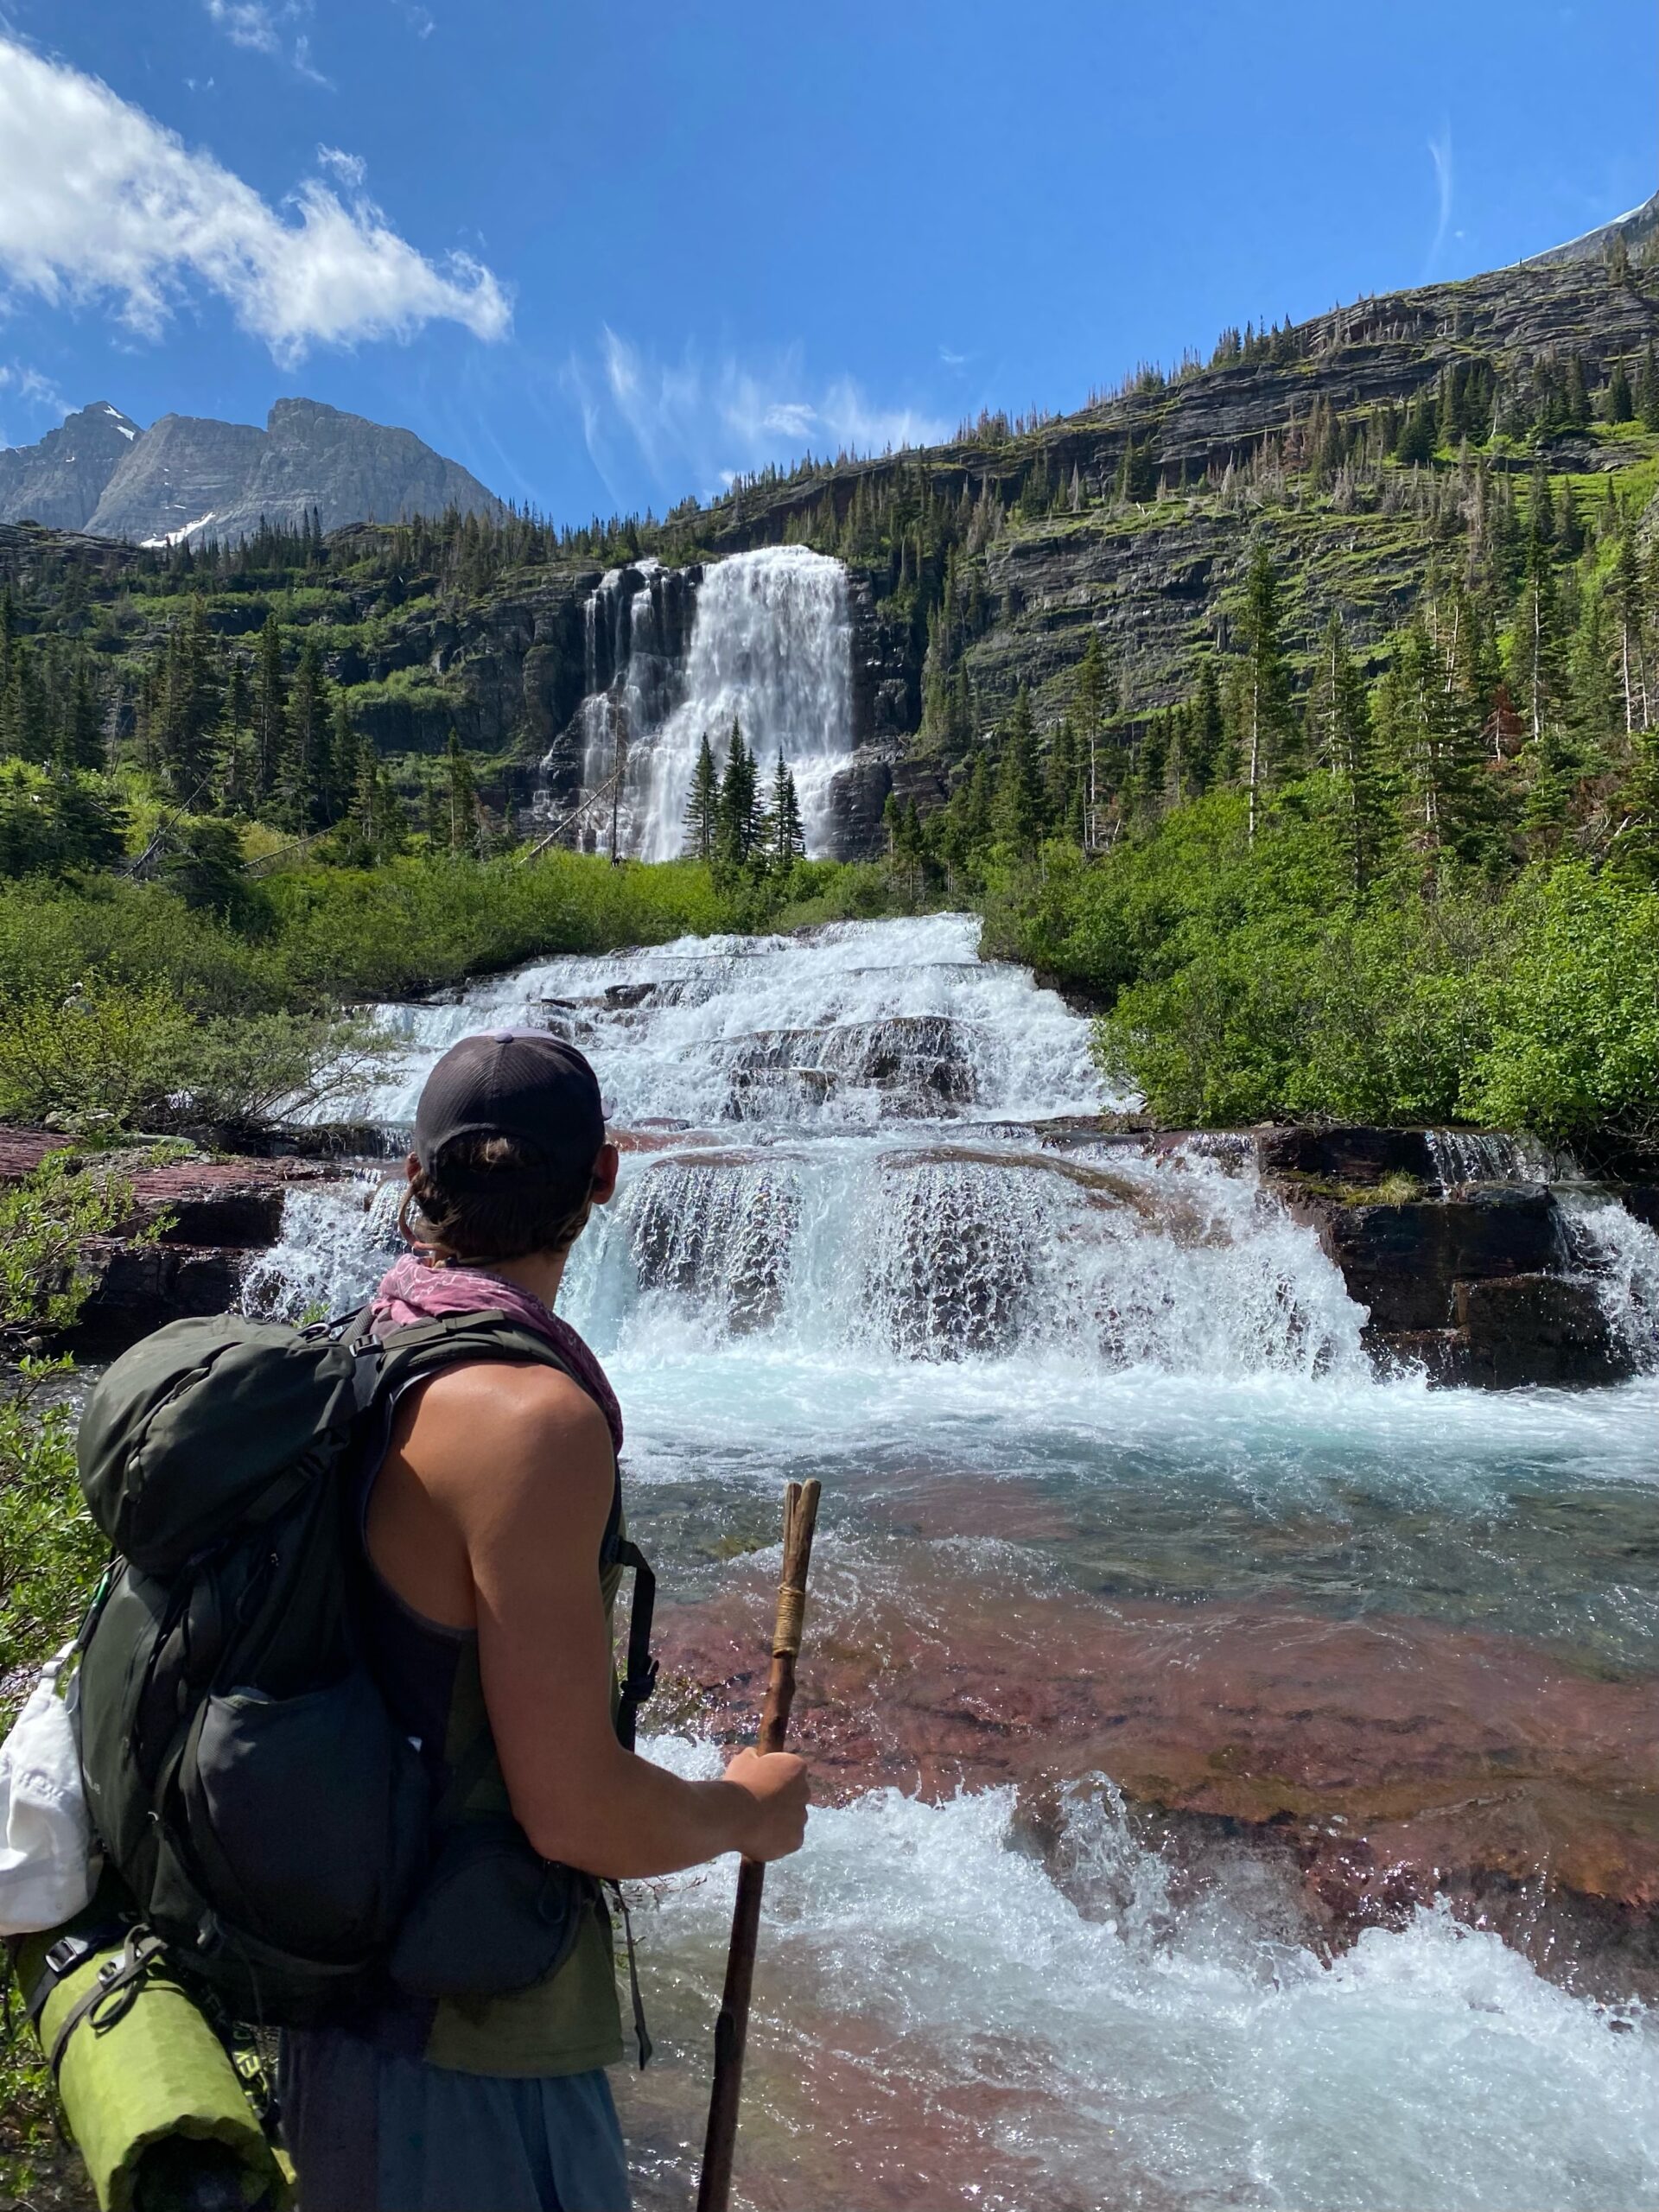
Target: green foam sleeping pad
(141, 2083)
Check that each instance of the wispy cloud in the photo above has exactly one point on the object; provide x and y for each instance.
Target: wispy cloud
(420, 20)
(696, 425)
(99, 203)
(350, 169)
(952, 360)
(33, 388)
(269, 26)
(1439, 152)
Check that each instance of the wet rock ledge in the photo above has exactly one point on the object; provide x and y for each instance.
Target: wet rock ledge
(218, 1213)
(1482, 1258)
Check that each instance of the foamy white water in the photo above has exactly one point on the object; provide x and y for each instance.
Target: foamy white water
(857, 1024)
(1166, 2052)
(769, 648)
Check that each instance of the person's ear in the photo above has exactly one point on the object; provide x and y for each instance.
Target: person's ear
(411, 1167)
(607, 1168)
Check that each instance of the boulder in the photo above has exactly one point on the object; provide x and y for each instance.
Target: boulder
(1402, 1262)
(1538, 1328)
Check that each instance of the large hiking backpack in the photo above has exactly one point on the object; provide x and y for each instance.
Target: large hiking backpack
(244, 1775)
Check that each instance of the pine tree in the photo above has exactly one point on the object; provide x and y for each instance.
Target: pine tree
(1137, 475)
(1595, 707)
(189, 713)
(235, 742)
(703, 809)
(343, 761)
(270, 703)
(1437, 741)
(1569, 527)
(1060, 779)
(1017, 810)
(1621, 407)
(1266, 685)
(461, 815)
(1541, 509)
(303, 776)
(787, 842)
(1577, 393)
(1340, 719)
(738, 799)
(1205, 734)
(1096, 698)
(1647, 390)
(1415, 442)
(83, 731)
(1538, 640)
(1627, 602)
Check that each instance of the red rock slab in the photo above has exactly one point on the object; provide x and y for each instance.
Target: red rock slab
(22, 1151)
(1403, 1756)
(234, 1204)
(212, 1204)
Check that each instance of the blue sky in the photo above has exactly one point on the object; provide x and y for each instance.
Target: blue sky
(606, 255)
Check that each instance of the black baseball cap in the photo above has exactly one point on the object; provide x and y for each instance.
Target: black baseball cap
(512, 1083)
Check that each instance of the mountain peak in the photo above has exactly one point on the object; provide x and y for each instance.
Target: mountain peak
(1634, 229)
(193, 476)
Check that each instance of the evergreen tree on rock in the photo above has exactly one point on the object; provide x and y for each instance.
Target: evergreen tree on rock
(702, 808)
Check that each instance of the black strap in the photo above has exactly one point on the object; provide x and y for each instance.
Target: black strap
(61, 1958)
(641, 2033)
(640, 1678)
(114, 1991)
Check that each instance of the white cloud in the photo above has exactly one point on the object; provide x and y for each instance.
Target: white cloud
(698, 427)
(1439, 152)
(97, 202)
(351, 169)
(952, 360)
(33, 394)
(247, 22)
(263, 27)
(33, 388)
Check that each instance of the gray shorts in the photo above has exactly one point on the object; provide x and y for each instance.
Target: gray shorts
(371, 2133)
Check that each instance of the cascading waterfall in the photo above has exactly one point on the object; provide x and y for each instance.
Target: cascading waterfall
(769, 648)
(882, 1200)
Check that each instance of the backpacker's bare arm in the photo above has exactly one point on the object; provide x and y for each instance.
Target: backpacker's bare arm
(490, 1509)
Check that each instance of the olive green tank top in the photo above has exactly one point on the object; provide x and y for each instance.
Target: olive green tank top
(567, 2023)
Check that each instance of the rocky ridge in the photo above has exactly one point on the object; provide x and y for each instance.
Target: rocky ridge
(190, 477)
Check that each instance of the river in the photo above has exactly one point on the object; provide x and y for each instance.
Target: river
(1115, 1517)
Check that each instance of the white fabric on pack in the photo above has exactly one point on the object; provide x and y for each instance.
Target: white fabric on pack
(47, 1869)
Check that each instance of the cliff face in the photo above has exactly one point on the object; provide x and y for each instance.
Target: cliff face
(60, 479)
(192, 477)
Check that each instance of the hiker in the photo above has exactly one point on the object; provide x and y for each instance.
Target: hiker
(486, 1622)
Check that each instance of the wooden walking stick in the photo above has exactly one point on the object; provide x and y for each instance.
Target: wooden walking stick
(731, 2029)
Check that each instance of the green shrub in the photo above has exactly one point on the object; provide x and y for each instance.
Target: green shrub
(1573, 1012)
(44, 1220)
(113, 1056)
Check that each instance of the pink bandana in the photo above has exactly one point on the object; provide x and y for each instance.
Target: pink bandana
(413, 1290)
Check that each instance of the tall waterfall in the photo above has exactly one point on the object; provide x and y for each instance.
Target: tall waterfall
(769, 648)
